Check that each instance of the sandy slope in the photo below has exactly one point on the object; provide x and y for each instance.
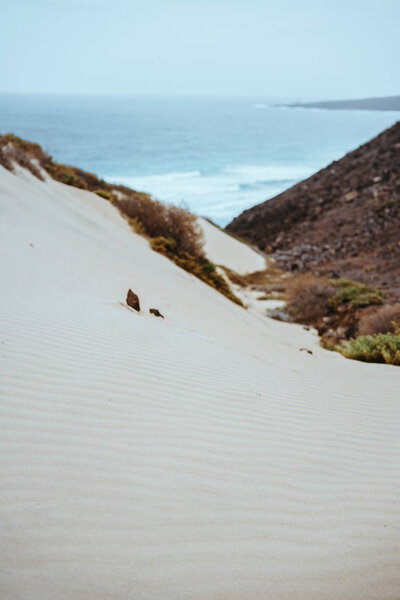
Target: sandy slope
(202, 456)
(225, 250)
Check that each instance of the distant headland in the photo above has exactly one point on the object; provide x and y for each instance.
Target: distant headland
(383, 103)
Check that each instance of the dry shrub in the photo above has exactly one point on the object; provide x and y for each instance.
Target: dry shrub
(5, 160)
(28, 155)
(166, 221)
(11, 154)
(78, 178)
(18, 156)
(308, 297)
(383, 320)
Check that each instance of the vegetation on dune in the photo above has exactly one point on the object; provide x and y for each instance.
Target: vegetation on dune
(31, 156)
(14, 150)
(173, 231)
(164, 220)
(199, 266)
(136, 225)
(107, 195)
(379, 348)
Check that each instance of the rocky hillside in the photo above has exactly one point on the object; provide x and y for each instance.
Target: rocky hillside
(344, 221)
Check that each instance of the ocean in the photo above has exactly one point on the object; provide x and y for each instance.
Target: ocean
(215, 156)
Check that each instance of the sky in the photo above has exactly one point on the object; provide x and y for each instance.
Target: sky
(298, 49)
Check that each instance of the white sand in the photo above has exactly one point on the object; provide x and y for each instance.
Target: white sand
(225, 250)
(198, 457)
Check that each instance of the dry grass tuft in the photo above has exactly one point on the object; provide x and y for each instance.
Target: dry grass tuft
(383, 320)
(308, 297)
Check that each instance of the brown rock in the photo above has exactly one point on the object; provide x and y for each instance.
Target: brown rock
(350, 196)
(155, 312)
(132, 300)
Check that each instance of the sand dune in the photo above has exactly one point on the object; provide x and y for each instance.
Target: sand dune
(201, 456)
(225, 250)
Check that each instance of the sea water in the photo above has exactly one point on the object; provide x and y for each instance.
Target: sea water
(217, 156)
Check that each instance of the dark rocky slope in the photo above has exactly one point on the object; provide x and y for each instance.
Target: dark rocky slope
(343, 221)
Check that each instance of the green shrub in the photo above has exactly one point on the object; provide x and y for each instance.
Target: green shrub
(380, 348)
(356, 295)
(208, 266)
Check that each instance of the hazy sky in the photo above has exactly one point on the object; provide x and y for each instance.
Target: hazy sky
(284, 48)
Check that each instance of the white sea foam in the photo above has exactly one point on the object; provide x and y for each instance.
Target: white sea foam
(251, 173)
(222, 194)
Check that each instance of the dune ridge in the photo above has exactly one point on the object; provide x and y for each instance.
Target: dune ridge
(201, 456)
